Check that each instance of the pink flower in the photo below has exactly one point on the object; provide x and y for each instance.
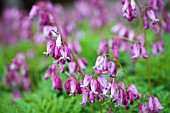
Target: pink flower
(165, 21)
(34, 11)
(138, 51)
(114, 92)
(160, 47)
(156, 4)
(51, 71)
(56, 83)
(94, 86)
(158, 107)
(48, 31)
(82, 63)
(26, 84)
(151, 14)
(143, 108)
(104, 85)
(129, 10)
(103, 47)
(86, 80)
(67, 86)
(132, 93)
(112, 69)
(145, 19)
(154, 105)
(62, 70)
(92, 97)
(73, 86)
(135, 51)
(50, 48)
(76, 46)
(85, 95)
(101, 65)
(72, 67)
(48, 74)
(65, 54)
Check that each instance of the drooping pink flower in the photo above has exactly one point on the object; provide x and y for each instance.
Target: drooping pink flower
(72, 67)
(48, 74)
(103, 47)
(82, 63)
(34, 11)
(165, 21)
(104, 85)
(94, 86)
(161, 47)
(73, 86)
(48, 31)
(139, 50)
(112, 69)
(67, 86)
(135, 51)
(120, 99)
(132, 93)
(26, 84)
(76, 46)
(145, 19)
(56, 83)
(101, 65)
(51, 71)
(65, 54)
(85, 95)
(92, 98)
(157, 48)
(50, 48)
(87, 80)
(114, 92)
(129, 10)
(151, 14)
(62, 70)
(143, 108)
(17, 73)
(158, 107)
(156, 4)
(154, 105)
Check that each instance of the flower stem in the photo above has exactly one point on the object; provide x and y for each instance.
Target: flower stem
(149, 78)
(144, 31)
(123, 71)
(100, 106)
(91, 105)
(79, 69)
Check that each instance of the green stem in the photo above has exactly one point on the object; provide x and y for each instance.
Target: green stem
(79, 70)
(123, 71)
(147, 67)
(149, 78)
(100, 106)
(91, 105)
(140, 10)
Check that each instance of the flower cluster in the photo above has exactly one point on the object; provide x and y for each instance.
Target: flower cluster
(17, 75)
(93, 89)
(103, 82)
(153, 106)
(136, 50)
(129, 9)
(56, 80)
(14, 26)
